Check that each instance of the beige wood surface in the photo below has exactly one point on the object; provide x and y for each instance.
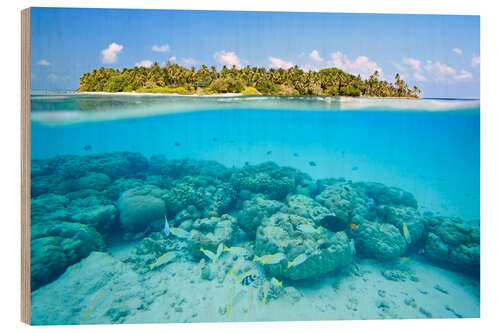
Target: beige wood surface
(25, 166)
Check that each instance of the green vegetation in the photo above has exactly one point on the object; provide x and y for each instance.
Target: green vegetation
(249, 81)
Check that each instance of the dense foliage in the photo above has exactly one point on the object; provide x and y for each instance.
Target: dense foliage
(249, 81)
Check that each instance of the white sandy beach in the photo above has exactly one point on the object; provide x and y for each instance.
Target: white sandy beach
(102, 289)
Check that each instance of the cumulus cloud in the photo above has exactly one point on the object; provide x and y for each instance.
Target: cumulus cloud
(189, 62)
(54, 77)
(457, 50)
(161, 48)
(362, 65)
(444, 72)
(279, 63)
(314, 55)
(172, 59)
(144, 63)
(463, 75)
(110, 54)
(228, 58)
(475, 61)
(44, 62)
(415, 64)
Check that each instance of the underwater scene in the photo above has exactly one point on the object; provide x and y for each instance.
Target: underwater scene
(163, 209)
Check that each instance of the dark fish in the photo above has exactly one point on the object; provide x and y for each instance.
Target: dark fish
(355, 168)
(334, 223)
(247, 163)
(214, 139)
(269, 152)
(247, 280)
(295, 154)
(232, 141)
(312, 163)
(177, 143)
(87, 147)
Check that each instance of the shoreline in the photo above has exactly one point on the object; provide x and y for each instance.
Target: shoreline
(121, 93)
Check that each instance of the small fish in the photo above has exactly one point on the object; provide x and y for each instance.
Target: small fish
(269, 152)
(232, 141)
(162, 260)
(355, 168)
(266, 290)
(402, 260)
(247, 280)
(208, 253)
(180, 233)
(406, 233)
(87, 147)
(177, 143)
(236, 266)
(212, 213)
(270, 259)
(421, 251)
(220, 248)
(295, 154)
(275, 281)
(247, 163)
(333, 223)
(214, 139)
(312, 163)
(236, 250)
(298, 260)
(166, 228)
(353, 226)
(307, 229)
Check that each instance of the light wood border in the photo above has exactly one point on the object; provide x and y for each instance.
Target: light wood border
(25, 166)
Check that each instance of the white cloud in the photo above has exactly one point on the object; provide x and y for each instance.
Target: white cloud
(457, 50)
(172, 59)
(418, 77)
(362, 65)
(314, 55)
(463, 75)
(44, 62)
(441, 70)
(415, 64)
(476, 61)
(227, 58)
(301, 54)
(161, 48)
(279, 63)
(189, 62)
(144, 63)
(110, 54)
(444, 72)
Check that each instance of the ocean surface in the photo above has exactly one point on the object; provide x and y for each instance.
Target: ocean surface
(121, 261)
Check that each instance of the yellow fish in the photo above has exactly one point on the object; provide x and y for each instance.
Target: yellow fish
(163, 259)
(277, 282)
(236, 250)
(406, 233)
(298, 260)
(270, 259)
(208, 253)
(180, 233)
(402, 260)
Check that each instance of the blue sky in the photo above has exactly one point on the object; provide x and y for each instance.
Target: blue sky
(438, 53)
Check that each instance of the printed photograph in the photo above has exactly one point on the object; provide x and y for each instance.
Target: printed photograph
(230, 166)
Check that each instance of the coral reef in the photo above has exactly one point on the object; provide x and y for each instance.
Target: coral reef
(254, 211)
(55, 245)
(453, 242)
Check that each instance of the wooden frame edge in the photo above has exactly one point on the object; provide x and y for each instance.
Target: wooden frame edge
(25, 166)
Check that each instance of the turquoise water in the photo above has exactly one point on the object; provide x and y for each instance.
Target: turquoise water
(431, 150)
(368, 208)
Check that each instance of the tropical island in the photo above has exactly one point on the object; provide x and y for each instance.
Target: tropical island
(247, 81)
